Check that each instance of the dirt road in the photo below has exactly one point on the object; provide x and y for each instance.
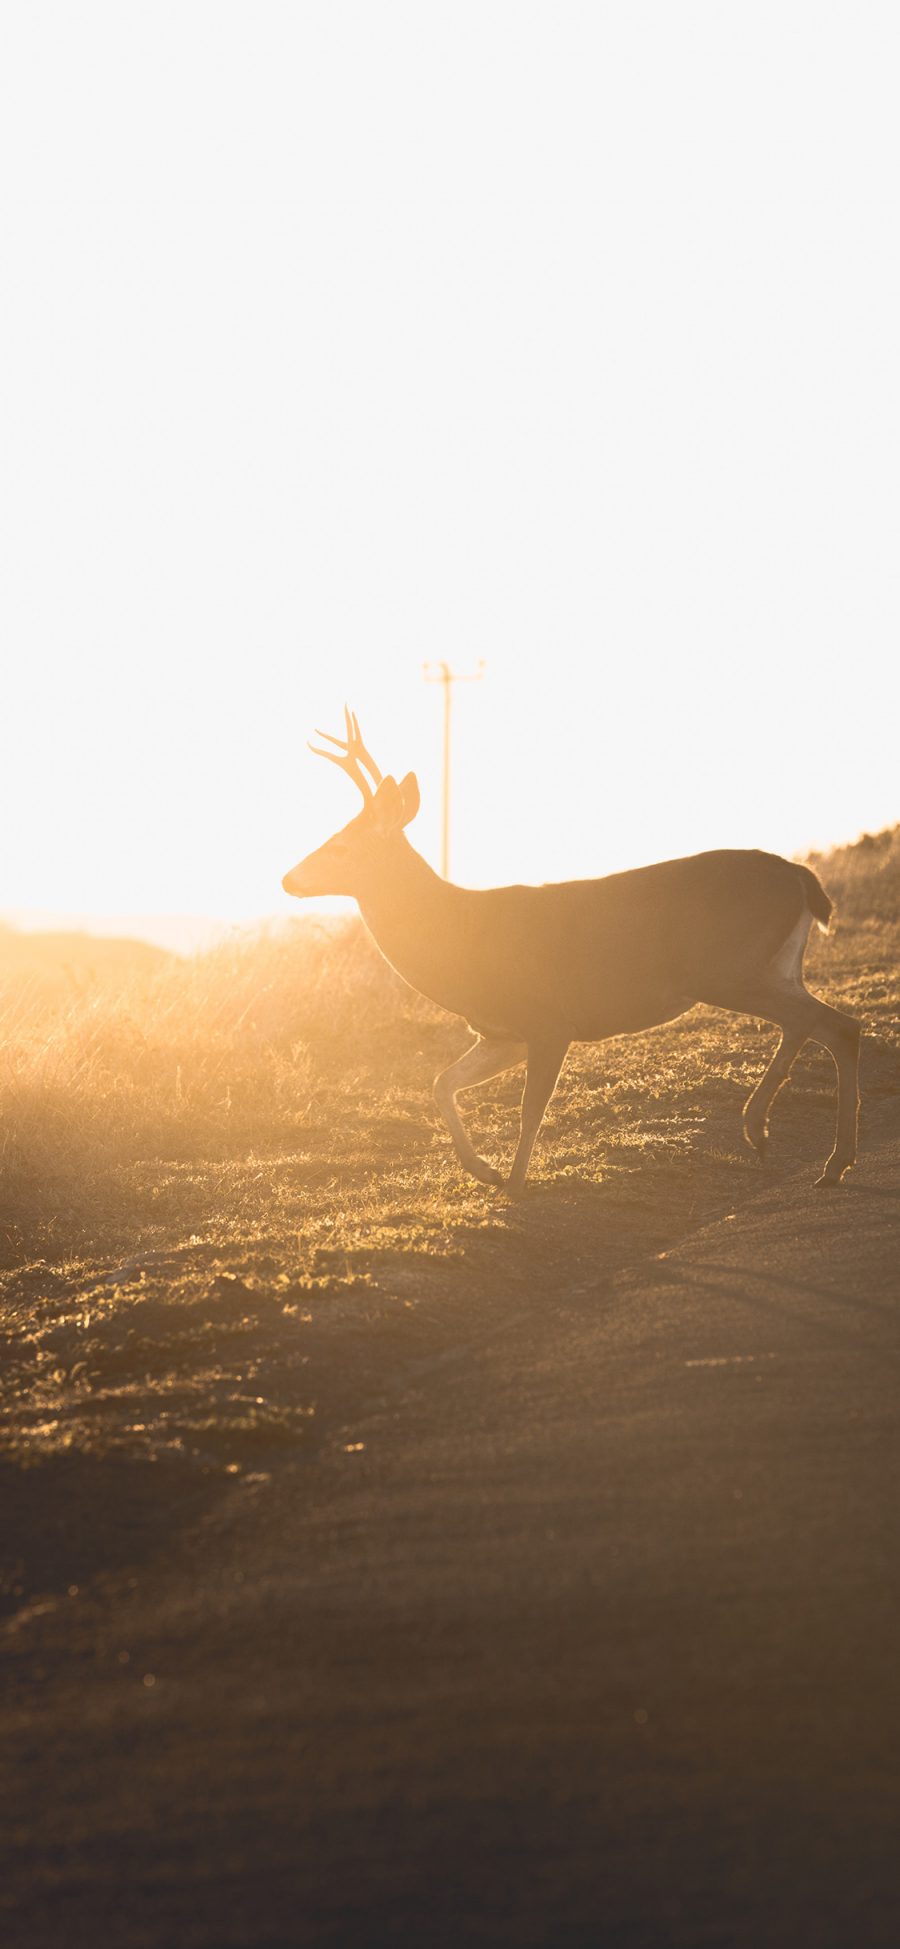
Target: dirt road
(587, 1636)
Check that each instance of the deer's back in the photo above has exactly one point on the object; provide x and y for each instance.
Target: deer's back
(592, 958)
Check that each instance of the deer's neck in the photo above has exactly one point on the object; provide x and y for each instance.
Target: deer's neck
(415, 918)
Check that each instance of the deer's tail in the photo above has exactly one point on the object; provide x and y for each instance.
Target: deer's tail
(817, 899)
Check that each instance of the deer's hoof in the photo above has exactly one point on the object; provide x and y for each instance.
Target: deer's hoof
(831, 1176)
(486, 1174)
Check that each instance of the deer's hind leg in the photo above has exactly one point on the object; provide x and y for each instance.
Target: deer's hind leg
(802, 1017)
(489, 1056)
(841, 1035)
(757, 1106)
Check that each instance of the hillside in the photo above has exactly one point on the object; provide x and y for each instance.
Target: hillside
(231, 1165)
(864, 879)
(60, 965)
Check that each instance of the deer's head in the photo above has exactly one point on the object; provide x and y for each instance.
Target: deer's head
(352, 859)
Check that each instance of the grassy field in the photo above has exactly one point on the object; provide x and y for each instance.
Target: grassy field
(229, 1215)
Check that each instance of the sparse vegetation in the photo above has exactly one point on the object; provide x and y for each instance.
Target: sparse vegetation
(229, 1210)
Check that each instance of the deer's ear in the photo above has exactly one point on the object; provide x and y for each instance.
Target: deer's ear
(387, 807)
(409, 793)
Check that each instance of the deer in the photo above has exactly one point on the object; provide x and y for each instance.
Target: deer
(533, 969)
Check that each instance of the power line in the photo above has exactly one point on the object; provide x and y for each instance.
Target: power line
(441, 673)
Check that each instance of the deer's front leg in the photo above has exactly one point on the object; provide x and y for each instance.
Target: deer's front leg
(545, 1060)
(487, 1057)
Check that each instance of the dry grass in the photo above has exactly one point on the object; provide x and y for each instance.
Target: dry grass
(202, 1058)
(864, 880)
(229, 1214)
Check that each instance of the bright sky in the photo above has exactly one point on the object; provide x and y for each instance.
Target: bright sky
(340, 336)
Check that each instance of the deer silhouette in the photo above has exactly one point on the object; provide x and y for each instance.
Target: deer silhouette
(535, 968)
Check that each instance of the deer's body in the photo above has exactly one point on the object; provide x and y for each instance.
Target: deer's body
(534, 968)
(586, 958)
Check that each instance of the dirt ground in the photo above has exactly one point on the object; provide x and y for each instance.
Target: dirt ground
(583, 1631)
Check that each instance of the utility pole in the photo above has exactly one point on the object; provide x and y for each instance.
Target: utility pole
(441, 673)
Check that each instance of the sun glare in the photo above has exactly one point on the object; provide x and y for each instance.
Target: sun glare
(573, 350)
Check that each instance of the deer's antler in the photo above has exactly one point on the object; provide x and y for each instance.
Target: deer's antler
(351, 754)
